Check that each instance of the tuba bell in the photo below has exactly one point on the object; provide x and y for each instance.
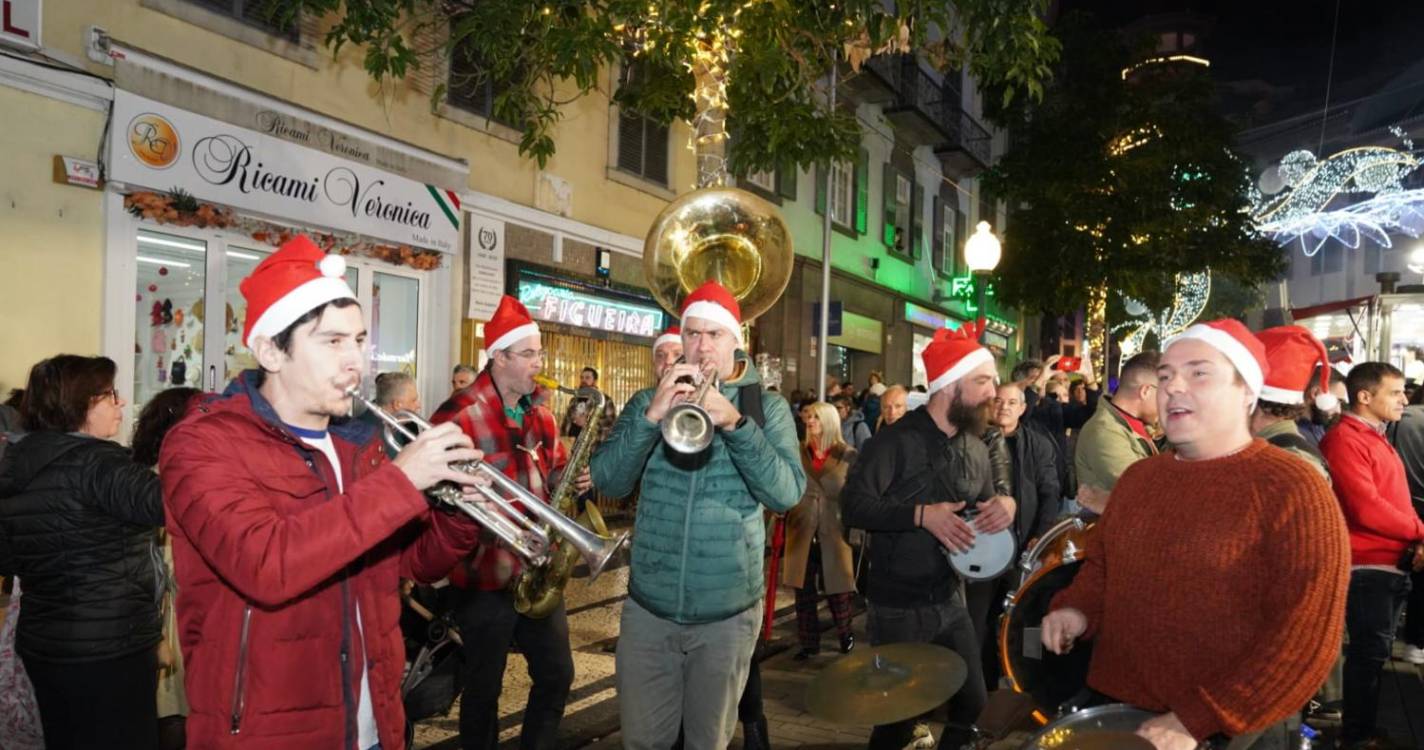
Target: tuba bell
(720, 233)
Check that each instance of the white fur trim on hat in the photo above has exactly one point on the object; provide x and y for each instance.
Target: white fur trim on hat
(715, 313)
(511, 336)
(667, 338)
(1281, 395)
(297, 303)
(1326, 401)
(1234, 351)
(961, 368)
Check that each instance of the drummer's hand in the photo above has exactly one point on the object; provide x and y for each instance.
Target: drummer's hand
(1093, 498)
(1061, 627)
(995, 515)
(942, 520)
(1166, 732)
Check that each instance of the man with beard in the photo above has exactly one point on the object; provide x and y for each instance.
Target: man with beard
(1213, 588)
(907, 490)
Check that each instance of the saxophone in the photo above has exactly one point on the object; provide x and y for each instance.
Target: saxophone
(539, 589)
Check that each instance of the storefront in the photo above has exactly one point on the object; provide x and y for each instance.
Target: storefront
(194, 203)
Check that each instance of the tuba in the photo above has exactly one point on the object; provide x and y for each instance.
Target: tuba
(539, 589)
(720, 233)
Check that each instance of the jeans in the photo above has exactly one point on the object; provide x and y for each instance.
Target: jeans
(488, 625)
(1371, 610)
(671, 675)
(946, 624)
(985, 602)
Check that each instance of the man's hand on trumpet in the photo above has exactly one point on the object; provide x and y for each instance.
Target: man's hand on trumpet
(426, 461)
(670, 391)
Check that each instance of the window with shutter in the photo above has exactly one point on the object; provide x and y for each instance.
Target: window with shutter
(471, 87)
(842, 200)
(642, 142)
(949, 228)
(260, 14)
(765, 180)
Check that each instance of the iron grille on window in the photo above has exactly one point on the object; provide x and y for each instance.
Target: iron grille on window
(261, 14)
(642, 142)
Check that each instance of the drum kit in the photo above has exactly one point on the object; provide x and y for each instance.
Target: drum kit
(900, 681)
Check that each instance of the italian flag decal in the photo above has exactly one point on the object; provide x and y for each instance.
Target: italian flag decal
(448, 202)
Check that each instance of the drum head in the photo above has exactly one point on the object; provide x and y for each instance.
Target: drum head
(1110, 727)
(991, 555)
(1050, 679)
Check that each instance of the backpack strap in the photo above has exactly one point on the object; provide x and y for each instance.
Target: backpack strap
(751, 403)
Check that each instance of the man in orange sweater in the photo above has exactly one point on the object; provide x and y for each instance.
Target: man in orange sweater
(1214, 588)
(1370, 482)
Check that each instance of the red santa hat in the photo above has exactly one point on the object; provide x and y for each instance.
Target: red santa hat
(953, 354)
(1294, 355)
(1237, 344)
(673, 335)
(290, 283)
(511, 322)
(713, 302)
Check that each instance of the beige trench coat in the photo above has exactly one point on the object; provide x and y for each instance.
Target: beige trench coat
(819, 515)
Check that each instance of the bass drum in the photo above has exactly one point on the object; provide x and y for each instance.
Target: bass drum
(1110, 727)
(1049, 679)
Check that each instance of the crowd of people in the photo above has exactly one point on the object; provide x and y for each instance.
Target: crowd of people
(239, 576)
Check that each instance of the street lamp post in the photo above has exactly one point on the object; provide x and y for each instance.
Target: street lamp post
(981, 253)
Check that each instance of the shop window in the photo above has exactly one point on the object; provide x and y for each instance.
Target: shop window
(394, 323)
(170, 313)
(260, 14)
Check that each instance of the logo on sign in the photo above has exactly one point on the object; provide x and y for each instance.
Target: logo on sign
(487, 239)
(153, 140)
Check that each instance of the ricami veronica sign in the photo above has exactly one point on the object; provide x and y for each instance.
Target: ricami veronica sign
(163, 147)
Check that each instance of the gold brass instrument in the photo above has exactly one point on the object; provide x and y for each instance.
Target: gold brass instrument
(539, 589)
(720, 233)
(515, 528)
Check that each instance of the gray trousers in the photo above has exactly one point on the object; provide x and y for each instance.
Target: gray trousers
(672, 676)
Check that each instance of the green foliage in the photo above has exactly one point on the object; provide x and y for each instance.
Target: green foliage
(783, 54)
(1085, 213)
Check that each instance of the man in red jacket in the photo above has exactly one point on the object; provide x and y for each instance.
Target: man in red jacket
(503, 411)
(291, 529)
(1213, 588)
(1374, 493)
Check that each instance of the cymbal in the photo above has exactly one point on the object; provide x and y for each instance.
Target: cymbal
(885, 684)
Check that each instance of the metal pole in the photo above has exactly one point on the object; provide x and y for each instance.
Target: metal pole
(826, 259)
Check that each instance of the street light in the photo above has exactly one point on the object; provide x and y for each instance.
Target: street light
(981, 254)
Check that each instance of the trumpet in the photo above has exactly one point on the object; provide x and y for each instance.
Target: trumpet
(687, 427)
(527, 532)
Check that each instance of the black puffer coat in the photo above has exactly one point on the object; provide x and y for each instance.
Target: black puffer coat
(77, 520)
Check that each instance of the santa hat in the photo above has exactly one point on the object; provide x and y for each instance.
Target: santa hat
(290, 283)
(1294, 355)
(953, 354)
(511, 322)
(673, 335)
(1237, 344)
(713, 302)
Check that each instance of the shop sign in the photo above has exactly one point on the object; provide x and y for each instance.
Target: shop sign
(20, 23)
(159, 146)
(486, 265)
(572, 308)
(860, 333)
(923, 316)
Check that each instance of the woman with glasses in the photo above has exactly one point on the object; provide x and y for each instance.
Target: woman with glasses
(77, 520)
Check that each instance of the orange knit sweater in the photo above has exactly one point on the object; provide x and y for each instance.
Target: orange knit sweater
(1216, 589)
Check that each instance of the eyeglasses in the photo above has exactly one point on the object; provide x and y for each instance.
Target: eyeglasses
(111, 394)
(529, 354)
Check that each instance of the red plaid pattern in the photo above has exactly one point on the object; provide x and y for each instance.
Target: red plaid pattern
(530, 454)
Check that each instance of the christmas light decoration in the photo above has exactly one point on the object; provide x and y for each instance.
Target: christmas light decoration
(1189, 300)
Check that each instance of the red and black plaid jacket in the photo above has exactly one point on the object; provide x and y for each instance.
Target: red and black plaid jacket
(530, 454)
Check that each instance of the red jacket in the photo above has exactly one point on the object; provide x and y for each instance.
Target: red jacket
(1370, 484)
(271, 560)
(528, 452)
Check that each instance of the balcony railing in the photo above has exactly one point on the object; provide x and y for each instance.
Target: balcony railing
(928, 112)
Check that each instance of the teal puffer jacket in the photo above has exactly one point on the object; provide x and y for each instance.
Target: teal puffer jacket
(698, 537)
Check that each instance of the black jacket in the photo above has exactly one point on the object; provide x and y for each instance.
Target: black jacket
(1036, 490)
(907, 565)
(77, 520)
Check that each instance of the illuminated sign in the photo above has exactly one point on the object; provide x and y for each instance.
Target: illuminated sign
(923, 316)
(568, 307)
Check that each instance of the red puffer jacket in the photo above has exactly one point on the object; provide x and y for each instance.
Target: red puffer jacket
(272, 560)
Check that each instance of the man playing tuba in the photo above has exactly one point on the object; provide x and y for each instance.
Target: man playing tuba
(695, 590)
(503, 411)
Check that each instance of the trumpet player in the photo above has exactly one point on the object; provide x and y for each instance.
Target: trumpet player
(695, 590)
(291, 529)
(504, 412)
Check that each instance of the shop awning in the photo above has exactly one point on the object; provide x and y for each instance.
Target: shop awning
(1301, 313)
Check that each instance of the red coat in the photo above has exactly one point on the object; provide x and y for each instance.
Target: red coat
(1369, 481)
(271, 561)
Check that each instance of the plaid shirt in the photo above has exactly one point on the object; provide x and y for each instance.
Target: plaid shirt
(529, 453)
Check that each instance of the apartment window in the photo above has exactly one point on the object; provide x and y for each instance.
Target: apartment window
(642, 142)
(472, 88)
(842, 197)
(764, 180)
(949, 224)
(260, 14)
(1329, 259)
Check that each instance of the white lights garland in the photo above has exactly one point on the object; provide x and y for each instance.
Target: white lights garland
(1189, 300)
